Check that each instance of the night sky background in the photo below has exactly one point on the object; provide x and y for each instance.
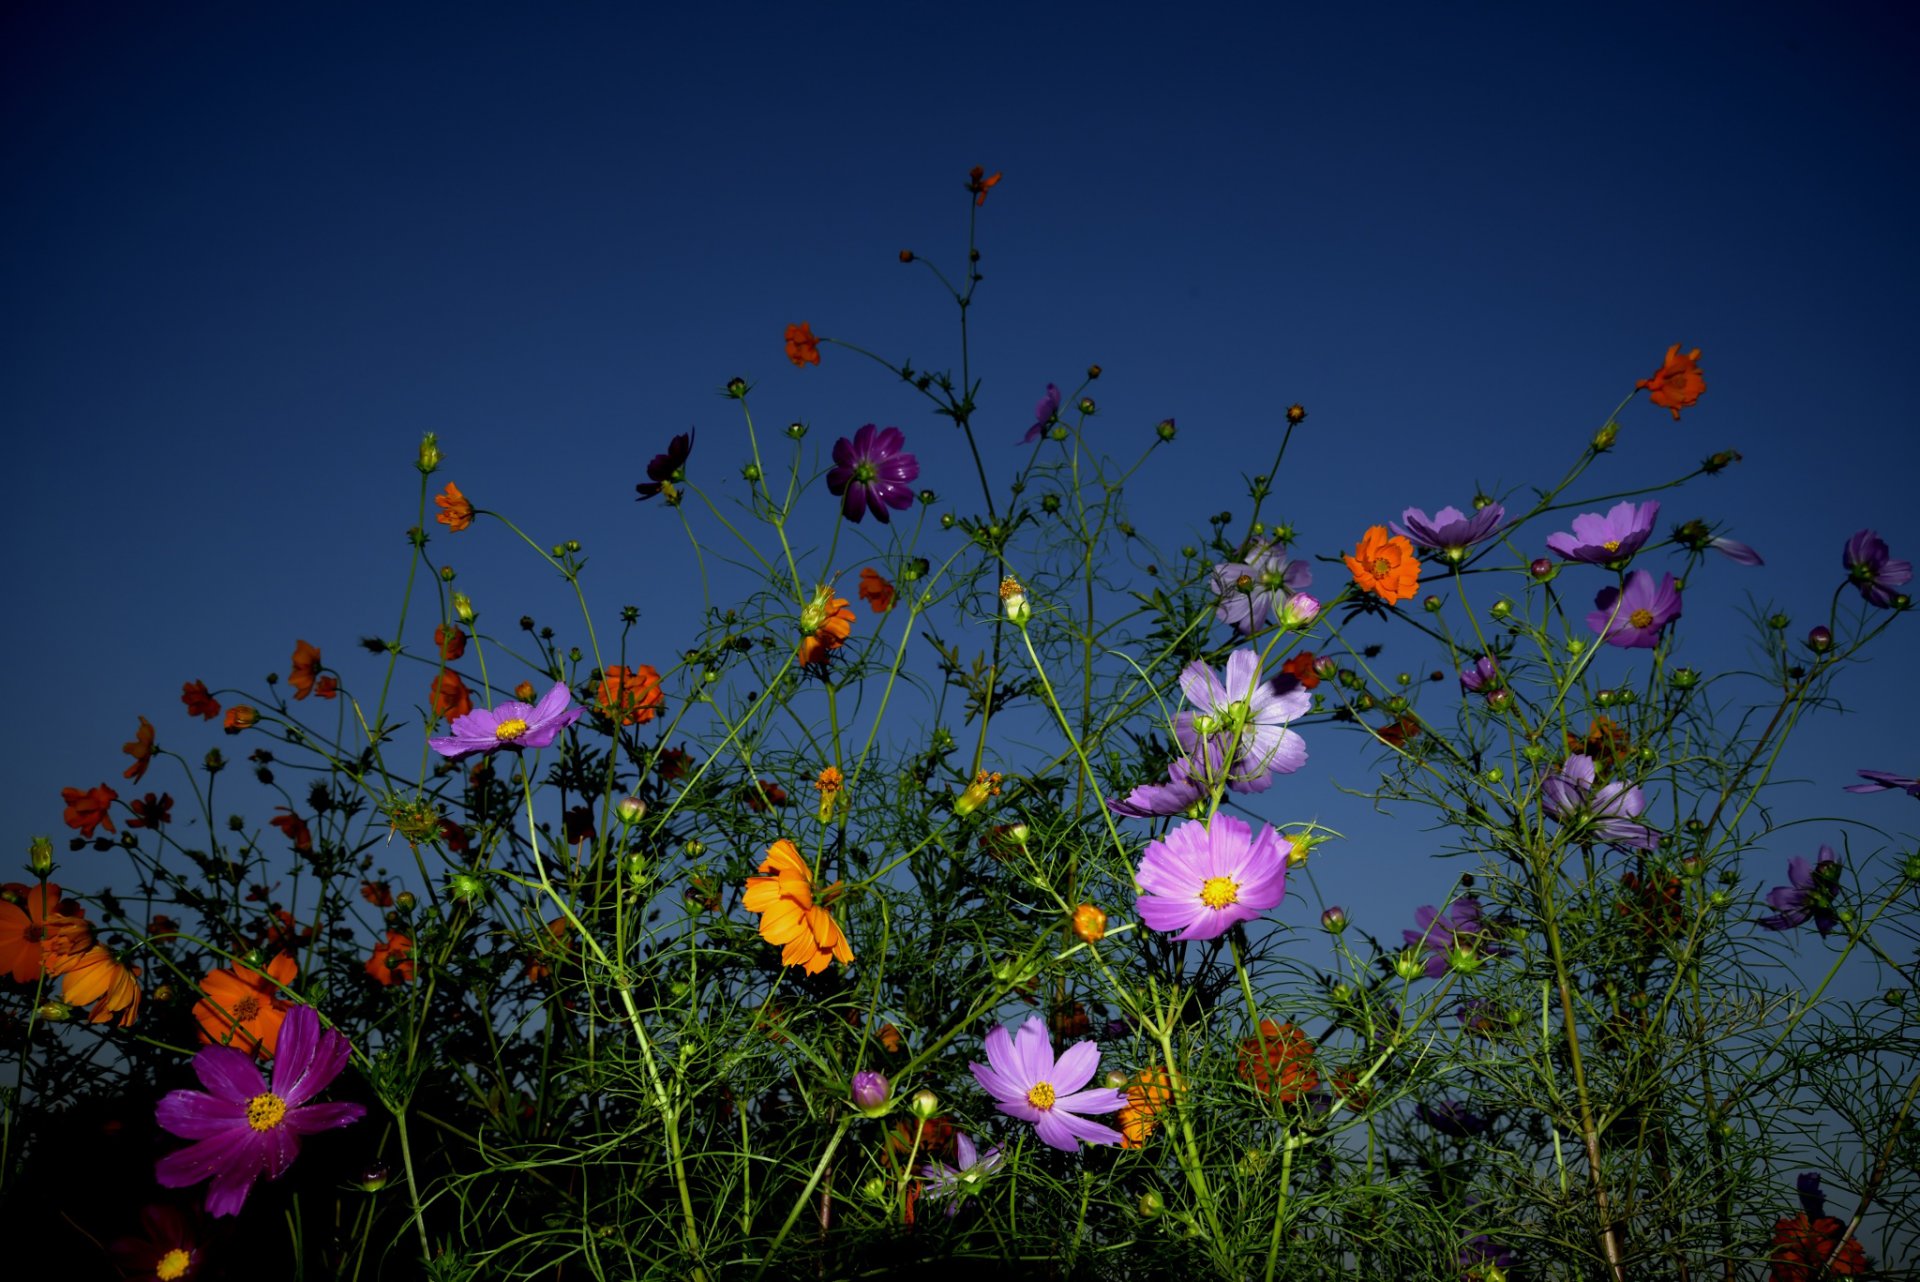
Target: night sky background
(251, 253)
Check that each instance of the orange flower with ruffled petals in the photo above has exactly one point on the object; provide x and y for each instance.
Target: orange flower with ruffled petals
(876, 591)
(391, 961)
(305, 669)
(1385, 565)
(377, 893)
(630, 694)
(1677, 384)
(827, 623)
(199, 702)
(451, 641)
(141, 750)
(295, 828)
(1279, 1062)
(243, 1007)
(239, 717)
(804, 930)
(1148, 1094)
(450, 697)
(25, 914)
(88, 810)
(802, 347)
(101, 980)
(1801, 1246)
(455, 512)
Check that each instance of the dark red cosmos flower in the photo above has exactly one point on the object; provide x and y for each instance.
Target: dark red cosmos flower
(199, 702)
(667, 470)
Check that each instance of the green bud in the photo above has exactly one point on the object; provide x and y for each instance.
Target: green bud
(1500, 609)
(751, 473)
(429, 458)
(694, 847)
(1152, 1204)
(466, 885)
(40, 856)
(1431, 605)
(1165, 430)
(1410, 965)
(1683, 678)
(923, 1104)
(875, 1189)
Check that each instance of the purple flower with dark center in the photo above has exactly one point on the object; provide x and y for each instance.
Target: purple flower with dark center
(1153, 800)
(1044, 413)
(1868, 565)
(1616, 536)
(1202, 879)
(1461, 927)
(873, 471)
(1812, 1200)
(1482, 674)
(1238, 725)
(1608, 813)
(509, 724)
(1251, 588)
(1452, 1117)
(966, 1179)
(1809, 894)
(1451, 532)
(246, 1128)
(667, 470)
(1632, 617)
(1026, 1082)
(1882, 781)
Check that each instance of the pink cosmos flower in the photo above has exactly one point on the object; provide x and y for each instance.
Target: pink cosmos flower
(511, 724)
(1028, 1083)
(1202, 880)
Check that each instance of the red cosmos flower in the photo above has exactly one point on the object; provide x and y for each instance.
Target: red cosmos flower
(1677, 384)
(1300, 668)
(295, 828)
(88, 810)
(377, 893)
(980, 185)
(1801, 1246)
(451, 640)
(453, 835)
(756, 799)
(673, 763)
(239, 717)
(151, 811)
(630, 694)
(199, 702)
(141, 750)
(1279, 1061)
(306, 669)
(802, 347)
(876, 591)
(391, 961)
(450, 697)
(327, 687)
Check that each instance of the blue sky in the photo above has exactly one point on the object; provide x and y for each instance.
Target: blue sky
(251, 253)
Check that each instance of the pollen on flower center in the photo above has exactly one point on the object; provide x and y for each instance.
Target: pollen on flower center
(1041, 1096)
(266, 1111)
(174, 1264)
(1611, 545)
(245, 1009)
(1641, 618)
(1382, 567)
(510, 729)
(1220, 892)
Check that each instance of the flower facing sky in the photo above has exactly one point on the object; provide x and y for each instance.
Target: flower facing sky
(1609, 812)
(1028, 1083)
(1237, 725)
(804, 930)
(1633, 617)
(1677, 384)
(1616, 536)
(1044, 412)
(1249, 589)
(1202, 879)
(243, 1007)
(1450, 532)
(873, 472)
(1386, 567)
(1869, 564)
(630, 695)
(242, 1126)
(667, 471)
(1808, 894)
(512, 724)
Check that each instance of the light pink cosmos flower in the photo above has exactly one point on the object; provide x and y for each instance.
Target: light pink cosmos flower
(1028, 1083)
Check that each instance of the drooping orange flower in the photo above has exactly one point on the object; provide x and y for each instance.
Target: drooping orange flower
(802, 347)
(327, 687)
(1300, 668)
(151, 811)
(452, 642)
(392, 960)
(1148, 1094)
(630, 695)
(377, 893)
(141, 750)
(25, 912)
(875, 591)
(1801, 1246)
(295, 829)
(804, 930)
(828, 785)
(1279, 1062)
(243, 1007)
(1385, 565)
(101, 980)
(891, 1039)
(88, 810)
(1677, 384)
(979, 184)
(239, 717)
(455, 512)
(827, 623)
(199, 702)
(305, 669)
(1397, 732)
(449, 696)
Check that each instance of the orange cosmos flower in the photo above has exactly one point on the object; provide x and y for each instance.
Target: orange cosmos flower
(890, 1039)
(377, 893)
(1300, 668)
(1607, 742)
(1396, 733)
(1385, 566)
(1148, 1094)
(828, 784)
(806, 933)
(88, 810)
(539, 969)
(391, 961)
(243, 1007)
(631, 694)
(306, 669)
(1279, 1061)
(802, 347)
(141, 750)
(151, 811)
(451, 641)
(239, 717)
(1089, 923)
(1677, 384)
(25, 914)
(295, 828)
(876, 591)
(449, 696)
(99, 979)
(1801, 1246)
(980, 185)
(199, 702)
(455, 512)
(828, 623)
(525, 692)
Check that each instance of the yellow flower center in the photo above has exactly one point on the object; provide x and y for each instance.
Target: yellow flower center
(174, 1264)
(510, 729)
(1382, 568)
(1640, 618)
(266, 1111)
(1041, 1096)
(1220, 892)
(1611, 545)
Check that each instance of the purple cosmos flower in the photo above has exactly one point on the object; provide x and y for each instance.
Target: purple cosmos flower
(510, 724)
(1450, 532)
(1866, 558)
(1881, 781)
(1452, 1117)
(1632, 617)
(1609, 813)
(1152, 800)
(1202, 879)
(1270, 578)
(1734, 550)
(667, 470)
(1482, 674)
(1461, 926)
(964, 1180)
(1238, 725)
(873, 471)
(1810, 894)
(1026, 1082)
(244, 1127)
(1044, 413)
(1482, 1255)
(1812, 1200)
(1616, 536)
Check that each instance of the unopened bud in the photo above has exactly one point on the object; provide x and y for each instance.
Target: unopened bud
(872, 1093)
(429, 454)
(924, 1105)
(631, 810)
(1683, 678)
(1013, 599)
(1604, 438)
(40, 856)
(1542, 569)
(1152, 1204)
(1299, 611)
(1820, 639)
(405, 901)
(1334, 920)
(1409, 965)
(1165, 431)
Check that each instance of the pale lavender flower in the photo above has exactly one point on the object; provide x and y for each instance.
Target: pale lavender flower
(1238, 725)
(1026, 1082)
(1153, 800)
(1270, 579)
(1450, 532)
(1461, 927)
(1482, 674)
(509, 724)
(1734, 550)
(1610, 812)
(1202, 879)
(1616, 536)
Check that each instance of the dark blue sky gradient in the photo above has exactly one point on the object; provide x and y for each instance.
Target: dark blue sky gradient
(252, 252)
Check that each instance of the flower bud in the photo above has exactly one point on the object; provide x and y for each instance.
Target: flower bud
(54, 1012)
(1089, 923)
(1299, 611)
(1463, 958)
(1683, 678)
(1604, 438)
(1013, 599)
(1604, 698)
(906, 255)
(1334, 920)
(1152, 1204)
(1296, 415)
(214, 761)
(1500, 609)
(1087, 406)
(872, 1093)
(948, 520)
(1431, 604)
(694, 847)
(1165, 429)
(446, 574)
(1820, 639)
(1911, 868)
(463, 607)
(630, 811)
(405, 901)
(40, 856)
(466, 885)
(1409, 964)
(924, 1104)
(875, 1189)
(795, 431)
(1500, 700)
(1542, 569)
(737, 388)
(373, 1178)
(1778, 622)
(429, 458)
(1325, 668)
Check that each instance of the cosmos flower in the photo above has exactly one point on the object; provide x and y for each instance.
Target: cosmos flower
(24, 916)
(239, 717)
(873, 472)
(1482, 674)
(392, 960)
(630, 695)
(1677, 384)
(1597, 539)
(1460, 928)
(243, 1127)
(964, 1179)
(1278, 1060)
(826, 623)
(1202, 879)
(876, 591)
(96, 977)
(510, 725)
(790, 918)
(1809, 893)
(199, 702)
(141, 750)
(1250, 589)
(167, 1250)
(667, 471)
(1450, 532)
(305, 669)
(1609, 813)
(1386, 567)
(1633, 617)
(1237, 713)
(86, 811)
(456, 513)
(243, 1007)
(450, 641)
(1882, 781)
(980, 184)
(1866, 558)
(803, 348)
(1044, 413)
(1152, 800)
(1802, 1244)
(1026, 1082)
(1148, 1095)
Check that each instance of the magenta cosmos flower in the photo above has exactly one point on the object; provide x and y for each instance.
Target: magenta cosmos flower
(1026, 1082)
(1632, 617)
(1270, 580)
(245, 1127)
(1238, 725)
(1616, 536)
(1450, 532)
(1044, 413)
(1201, 880)
(1461, 928)
(511, 724)
(873, 472)
(667, 470)
(1869, 565)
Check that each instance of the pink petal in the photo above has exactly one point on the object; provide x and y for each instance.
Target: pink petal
(1075, 1068)
(315, 1118)
(227, 1073)
(195, 1115)
(1034, 1051)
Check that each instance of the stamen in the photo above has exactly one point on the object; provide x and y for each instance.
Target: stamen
(1220, 892)
(265, 1111)
(510, 729)
(1041, 1096)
